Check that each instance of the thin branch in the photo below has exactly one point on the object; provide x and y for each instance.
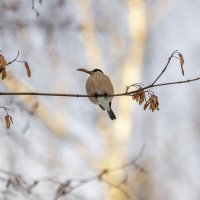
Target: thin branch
(84, 95)
(131, 163)
(33, 8)
(4, 108)
(81, 182)
(158, 85)
(14, 58)
(43, 94)
(173, 83)
(172, 55)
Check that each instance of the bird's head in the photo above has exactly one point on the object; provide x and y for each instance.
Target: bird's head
(89, 72)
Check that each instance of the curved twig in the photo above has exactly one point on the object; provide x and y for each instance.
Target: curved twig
(33, 8)
(169, 59)
(14, 58)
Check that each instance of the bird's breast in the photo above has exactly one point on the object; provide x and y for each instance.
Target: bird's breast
(99, 83)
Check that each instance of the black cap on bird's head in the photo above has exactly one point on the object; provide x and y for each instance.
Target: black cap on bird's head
(96, 70)
(89, 72)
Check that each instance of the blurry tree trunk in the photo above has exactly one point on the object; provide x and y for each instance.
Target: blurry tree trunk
(117, 133)
(87, 30)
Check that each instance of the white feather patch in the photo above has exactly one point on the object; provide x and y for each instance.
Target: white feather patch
(104, 102)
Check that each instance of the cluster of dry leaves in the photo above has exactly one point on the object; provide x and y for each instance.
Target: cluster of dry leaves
(3, 68)
(4, 64)
(152, 101)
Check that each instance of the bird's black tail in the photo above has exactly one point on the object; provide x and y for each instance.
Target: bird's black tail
(111, 114)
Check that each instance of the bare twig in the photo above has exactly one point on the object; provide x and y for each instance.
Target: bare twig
(15, 59)
(33, 7)
(161, 84)
(4, 108)
(172, 55)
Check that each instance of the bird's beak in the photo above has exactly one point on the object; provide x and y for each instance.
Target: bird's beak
(84, 70)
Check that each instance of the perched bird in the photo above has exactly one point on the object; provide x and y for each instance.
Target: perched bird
(99, 84)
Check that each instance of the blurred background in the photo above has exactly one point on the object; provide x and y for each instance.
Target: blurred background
(59, 138)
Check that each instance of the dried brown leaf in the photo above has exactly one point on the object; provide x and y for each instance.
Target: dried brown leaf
(3, 75)
(134, 96)
(154, 99)
(7, 120)
(147, 103)
(142, 97)
(152, 106)
(3, 62)
(28, 70)
(137, 97)
(181, 62)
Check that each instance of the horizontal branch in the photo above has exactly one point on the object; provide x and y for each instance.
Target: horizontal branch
(169, 83)
(41, 94)
(176, 82)
(84, 95)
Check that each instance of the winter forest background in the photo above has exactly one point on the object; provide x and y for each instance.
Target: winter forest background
(62, 148)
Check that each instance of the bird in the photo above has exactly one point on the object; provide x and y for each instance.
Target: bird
(100, 84)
